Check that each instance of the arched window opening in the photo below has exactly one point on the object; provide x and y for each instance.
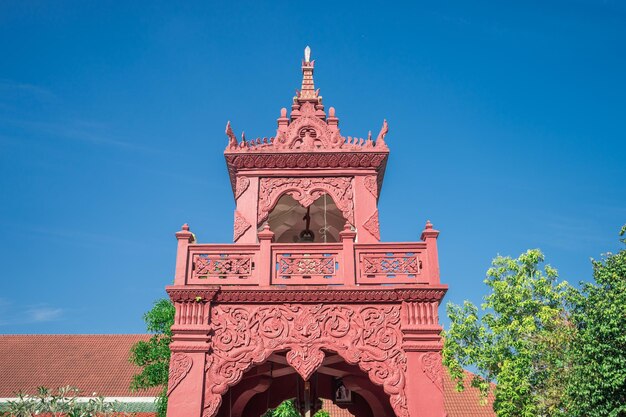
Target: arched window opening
(274, 388)
(288, 220)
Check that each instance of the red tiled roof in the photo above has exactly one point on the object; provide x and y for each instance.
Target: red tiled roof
(92, 363)
(467, 402)
(99, 363)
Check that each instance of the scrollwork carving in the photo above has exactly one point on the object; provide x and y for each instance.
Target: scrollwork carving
(372, 225)
(432, 367)
(180, 365)
(242, 185)
(368, 336)
(305, 191)
(371, 184)
(241, 225)
(309, 132)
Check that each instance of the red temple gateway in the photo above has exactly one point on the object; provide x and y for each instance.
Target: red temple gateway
(307, 303)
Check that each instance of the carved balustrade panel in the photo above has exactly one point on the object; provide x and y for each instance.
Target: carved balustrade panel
(307, 266)
(365, 335)
(387, 264)
(235, 265)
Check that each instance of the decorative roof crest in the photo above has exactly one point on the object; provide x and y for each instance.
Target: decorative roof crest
(307, 128)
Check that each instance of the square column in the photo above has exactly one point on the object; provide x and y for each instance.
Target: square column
(422, 345)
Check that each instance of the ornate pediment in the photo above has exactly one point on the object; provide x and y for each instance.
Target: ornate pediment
(308, 128)
(308, 133)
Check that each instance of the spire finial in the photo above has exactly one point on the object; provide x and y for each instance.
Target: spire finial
(307, 92)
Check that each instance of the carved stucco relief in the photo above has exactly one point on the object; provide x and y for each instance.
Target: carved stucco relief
(308, 132)
(432, 367)
(180, 365)
(241, 225)
(242, 185)
(372, 225)
(245, 336)
(371, 184)
(305, 190)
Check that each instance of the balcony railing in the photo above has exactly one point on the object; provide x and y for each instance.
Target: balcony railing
(316, 264)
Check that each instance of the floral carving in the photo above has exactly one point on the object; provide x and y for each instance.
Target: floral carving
(305, 191)
(245, 335)
(299, 265)
(241, 225)
(180, 365)
(432, 367)
(390, 264)
(371, 184)
(205, 266)
(308, 132)
(285, 295)
(340, 159)
(372, 225)
(242, 185)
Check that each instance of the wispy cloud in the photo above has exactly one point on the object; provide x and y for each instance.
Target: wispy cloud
(76, 129)
(12, 87)
(12, 315)
(43, 313)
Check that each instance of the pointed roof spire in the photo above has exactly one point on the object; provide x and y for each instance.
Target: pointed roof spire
(308, 86)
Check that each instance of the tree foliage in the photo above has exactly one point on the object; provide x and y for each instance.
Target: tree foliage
(153, 356)
(519, 339)
(288, 409)
(598, 380)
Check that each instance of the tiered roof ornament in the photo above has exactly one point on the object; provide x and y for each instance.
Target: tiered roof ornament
(307, 159)
(307, 128)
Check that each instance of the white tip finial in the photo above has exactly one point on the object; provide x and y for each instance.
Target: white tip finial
(307, 54)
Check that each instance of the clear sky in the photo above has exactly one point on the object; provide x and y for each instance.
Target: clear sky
(507, 130)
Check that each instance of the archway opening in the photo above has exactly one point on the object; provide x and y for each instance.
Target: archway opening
(336, 387)
(289, 219)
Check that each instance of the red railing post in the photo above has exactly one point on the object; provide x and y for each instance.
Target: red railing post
(185, 237)
(266, 236)
(429, 235)
(347, 236)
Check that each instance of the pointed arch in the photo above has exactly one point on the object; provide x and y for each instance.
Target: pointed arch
(365, 335)
(305, 190)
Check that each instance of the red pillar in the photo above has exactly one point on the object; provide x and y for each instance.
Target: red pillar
(422, 345)
(190, 344)
(347, 236)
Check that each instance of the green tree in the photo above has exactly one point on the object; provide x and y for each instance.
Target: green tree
(519, 340)
(285, 409)
(288, 409)
(154, 355)
(598, 381)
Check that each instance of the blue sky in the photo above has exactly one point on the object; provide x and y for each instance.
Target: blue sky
(507, 131)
